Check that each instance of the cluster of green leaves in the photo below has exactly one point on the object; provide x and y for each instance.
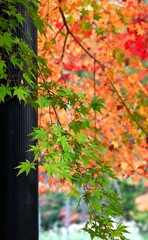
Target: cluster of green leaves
(66, 152)
(18, 61)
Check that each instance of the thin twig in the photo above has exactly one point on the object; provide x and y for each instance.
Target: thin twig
(63, 50)
(58, 32)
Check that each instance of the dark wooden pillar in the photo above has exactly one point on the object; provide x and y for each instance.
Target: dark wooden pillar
(3, 172)
(19, 195)
(22, 191)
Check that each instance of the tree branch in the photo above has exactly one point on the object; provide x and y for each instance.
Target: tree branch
(127, 109)
(103, 69)
(73, 36)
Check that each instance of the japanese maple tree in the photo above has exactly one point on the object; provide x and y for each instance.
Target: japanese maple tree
(99, 48)
(92, 98)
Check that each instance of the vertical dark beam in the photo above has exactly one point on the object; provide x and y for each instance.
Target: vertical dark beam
(3, 176)
(22, 191)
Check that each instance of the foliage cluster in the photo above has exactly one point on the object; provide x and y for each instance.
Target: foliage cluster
(100, 49)
(74, 150)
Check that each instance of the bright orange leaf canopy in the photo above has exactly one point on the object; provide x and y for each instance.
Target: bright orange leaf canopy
(101, 49)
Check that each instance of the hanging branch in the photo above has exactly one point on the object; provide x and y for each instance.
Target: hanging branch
(127, 109)
(102, 67)
(73, 36)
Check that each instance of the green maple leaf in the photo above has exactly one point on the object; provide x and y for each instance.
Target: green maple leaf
(43, 102)
(97, 104)
(20, 18)
(52, 168)
(4, 90)
(25, 167)
(6, 40)
(64, 143)
(39, 133)
(21, 92)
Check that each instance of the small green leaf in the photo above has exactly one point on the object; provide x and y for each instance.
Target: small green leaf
(52, 168)
(25, 167)
(43, 101)
(119, 55)
(85, 25)
(5, 90)
(81, 138)
(27, 78)
(124, 92)
(57, 129)
(84, 11)
(21, 92)
(71, 19)
(20, 18)
(36, 150)
(6, 40)
(96, 16)
(97, 104)
(64, 143)
(99, 31)
(39, 133)
(77, 125)
(73, 192)
(15, 60)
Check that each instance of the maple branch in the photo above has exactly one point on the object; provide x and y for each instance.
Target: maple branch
(87, 52)
(127, 109)
(73, 36)
(102, 67)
